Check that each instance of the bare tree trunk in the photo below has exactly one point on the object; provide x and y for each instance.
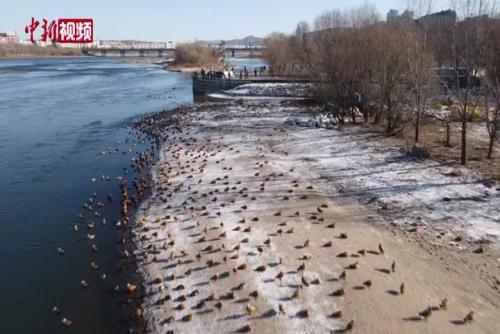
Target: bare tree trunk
(463, 153)
(490, 147)
(448, 144)
(417, 127)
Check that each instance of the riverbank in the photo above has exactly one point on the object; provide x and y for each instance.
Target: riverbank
(34, 51)
(190, 69)
(255, 223)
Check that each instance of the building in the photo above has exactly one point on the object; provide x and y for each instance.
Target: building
(435, 20)
(394, 17)
(8, 38)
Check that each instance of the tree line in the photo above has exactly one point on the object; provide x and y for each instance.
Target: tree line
(394, 73)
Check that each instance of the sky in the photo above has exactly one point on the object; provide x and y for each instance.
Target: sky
(178, 20)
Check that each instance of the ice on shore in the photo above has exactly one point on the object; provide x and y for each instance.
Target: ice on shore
(273, 89)
(374, 168)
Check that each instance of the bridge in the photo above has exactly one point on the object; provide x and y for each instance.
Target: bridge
(127, 51)
(135, 51)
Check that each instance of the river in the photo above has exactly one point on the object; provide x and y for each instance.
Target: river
(61, 125)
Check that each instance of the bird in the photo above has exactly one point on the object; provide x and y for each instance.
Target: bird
(353, 266)
(444, 304)
(218, 305)
(393, 266)
(343, 254)
(60, 251)
(367, 283)
(301, 267)
(254, 294)
(349, 326)
(343, 236)
(261, 268)
(402, 288)
(425, 313)
(306, 243)
(328, 244)
(295, 294)
(338, 293)
(131, 287)
(66, 322)
(380, 249)
(84, 284)
(245, 329)
(281, 309)
(56, 310)
(239, 286)
(343, 275)
(304, 281)
(469, 317)
(279, 275)
(187, 317)
(336, 314)
(250, 309)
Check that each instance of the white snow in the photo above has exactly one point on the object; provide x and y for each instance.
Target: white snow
(373, 167)
(273, 89)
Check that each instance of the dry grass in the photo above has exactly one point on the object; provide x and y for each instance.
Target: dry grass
(433, 137)
(196, 55)
(19, 50)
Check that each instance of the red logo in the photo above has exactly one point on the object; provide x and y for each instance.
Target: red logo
(63, 31)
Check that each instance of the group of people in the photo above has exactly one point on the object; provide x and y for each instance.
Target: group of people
(229, 73)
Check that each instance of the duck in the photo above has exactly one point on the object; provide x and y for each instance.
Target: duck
(425, 313)
(66, 322)
(250, 309)
(469, 317)
(444, 304)
(349, 326)
(336, 315)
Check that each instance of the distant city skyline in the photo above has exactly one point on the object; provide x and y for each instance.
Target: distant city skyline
(182, 20)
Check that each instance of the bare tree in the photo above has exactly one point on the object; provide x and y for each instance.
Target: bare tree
(391, 79)
(277, 53)
(466, 51)
(492, 83)
(420, 60)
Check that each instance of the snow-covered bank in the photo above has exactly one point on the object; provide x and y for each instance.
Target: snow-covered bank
(303, 90)
(258, 225)
(360, 163)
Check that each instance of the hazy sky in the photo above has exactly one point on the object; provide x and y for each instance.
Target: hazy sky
(177, 20)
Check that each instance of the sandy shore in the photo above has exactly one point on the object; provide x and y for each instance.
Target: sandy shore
(240, 200)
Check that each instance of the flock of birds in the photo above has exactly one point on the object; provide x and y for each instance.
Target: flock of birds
(194, 189)
(132, 194)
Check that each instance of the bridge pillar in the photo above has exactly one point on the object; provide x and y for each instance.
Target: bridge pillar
(103, 53)
(141, 53)
(232, 53)
(122, 53)
(160, 53)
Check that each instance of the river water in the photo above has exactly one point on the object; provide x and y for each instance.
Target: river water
(61, 125)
